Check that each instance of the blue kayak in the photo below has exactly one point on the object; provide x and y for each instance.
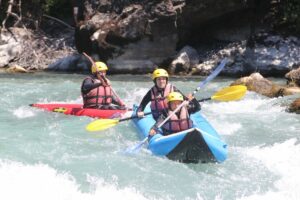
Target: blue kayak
(201, 143)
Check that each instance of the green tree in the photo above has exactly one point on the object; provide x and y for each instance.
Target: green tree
(291, 14)
(58, 8)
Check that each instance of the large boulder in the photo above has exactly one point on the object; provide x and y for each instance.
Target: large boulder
(274, 54)
(257, 83)
(293, 77)
(16, 69)
(295, 106)
(271, 55)
(71, 63)
(186, 59)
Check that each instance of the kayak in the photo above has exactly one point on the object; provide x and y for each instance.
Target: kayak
(78, 110)
(201, 143)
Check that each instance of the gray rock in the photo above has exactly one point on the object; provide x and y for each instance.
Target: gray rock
(70, 63)
(131, 66)
(185, 60)
(293, 77)
(10, 47)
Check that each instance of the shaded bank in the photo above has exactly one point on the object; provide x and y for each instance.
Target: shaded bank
(186, 37)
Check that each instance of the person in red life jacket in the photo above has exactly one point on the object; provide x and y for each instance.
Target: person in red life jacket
(157, 94)
(97, 92)
(179, 121)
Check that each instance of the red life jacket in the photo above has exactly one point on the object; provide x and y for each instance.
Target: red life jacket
(178, 123)
(98, 96)
(159, 101)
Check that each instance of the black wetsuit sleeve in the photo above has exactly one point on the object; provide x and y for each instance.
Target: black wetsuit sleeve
(194, 105)
(145, 101)
(88, 85)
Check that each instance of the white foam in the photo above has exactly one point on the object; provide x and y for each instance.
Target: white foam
(45, 100)
(283, 160)
(35, 182)
(135, 95)
(226, 128)
(23, 112)
(244, 106)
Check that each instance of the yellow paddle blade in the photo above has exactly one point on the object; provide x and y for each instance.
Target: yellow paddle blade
(101, 124)
(231, 93)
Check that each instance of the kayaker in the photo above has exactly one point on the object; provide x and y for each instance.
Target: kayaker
(157, 94)
(179, 121)
(97, 92)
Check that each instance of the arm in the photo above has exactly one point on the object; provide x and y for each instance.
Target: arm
(154, 129)
(145, 101)
(193, 106)
(116, 99)
(88, 85)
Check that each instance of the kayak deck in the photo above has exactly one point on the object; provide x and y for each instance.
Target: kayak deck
(78, 110)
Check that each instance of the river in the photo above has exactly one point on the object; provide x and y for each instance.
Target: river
(47, 155)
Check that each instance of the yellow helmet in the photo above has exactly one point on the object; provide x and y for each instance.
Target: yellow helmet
(99, 66)
(174, 96)
(160, 73)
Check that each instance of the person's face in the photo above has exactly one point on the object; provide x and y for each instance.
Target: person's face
(161, 82)
(174, 104)
(101, 73)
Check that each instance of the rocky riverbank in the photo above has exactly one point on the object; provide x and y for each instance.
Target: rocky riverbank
(185, 37)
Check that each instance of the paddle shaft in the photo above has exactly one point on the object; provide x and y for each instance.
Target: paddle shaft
(133, 117)
(206, 99)
(137, 146)
(104, 78)
(93, 63)
(91, 60)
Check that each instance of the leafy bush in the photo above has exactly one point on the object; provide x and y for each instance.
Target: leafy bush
(291, 14)
(58, 8)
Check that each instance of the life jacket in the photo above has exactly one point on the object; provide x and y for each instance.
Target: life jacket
(178, 122)
(158, 100)
(98, 96)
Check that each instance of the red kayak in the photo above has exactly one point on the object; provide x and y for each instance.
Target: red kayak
(78, 110)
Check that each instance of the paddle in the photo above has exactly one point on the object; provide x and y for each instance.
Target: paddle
(202, 84)
(102, 124)
(230, 93)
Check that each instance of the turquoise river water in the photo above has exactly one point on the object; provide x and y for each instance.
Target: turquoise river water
(46, 155)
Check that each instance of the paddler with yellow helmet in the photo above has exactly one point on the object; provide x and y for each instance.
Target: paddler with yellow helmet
(179, 121)
(157, 94)
(97, 92)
